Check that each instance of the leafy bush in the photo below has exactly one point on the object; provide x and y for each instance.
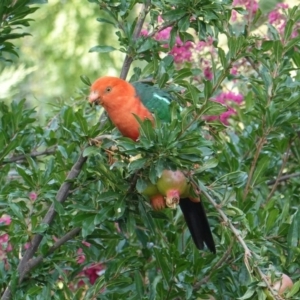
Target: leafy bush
(74, 224)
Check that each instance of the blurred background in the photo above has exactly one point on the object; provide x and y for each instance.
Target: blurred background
(56, 54)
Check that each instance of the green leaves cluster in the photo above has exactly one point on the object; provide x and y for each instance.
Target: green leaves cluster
(13, 17)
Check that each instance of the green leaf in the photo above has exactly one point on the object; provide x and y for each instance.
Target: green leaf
(58, 207)
(103, 20)
(85, 80)
(209, 164)
(102, 49)
(41, 228)
(213, 108)
(288, 30)
(173, 35)
(88, 225)
(182, 74)
(294, 230)
(184, 23)
(26, 176)
(278, 49)
(137, 164)
(248, 295)
(146, 45)
(271, 219)
(292, 43)
(173, 15)
(90, 151)
(162, 263)
(16, 211)
(222, 58)
(262, 166)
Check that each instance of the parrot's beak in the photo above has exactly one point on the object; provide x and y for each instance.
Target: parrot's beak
(94, 98)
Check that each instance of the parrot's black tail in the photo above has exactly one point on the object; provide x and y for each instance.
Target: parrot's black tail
(197, 223)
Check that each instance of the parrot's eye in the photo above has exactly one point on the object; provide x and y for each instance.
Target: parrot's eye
(108, 89)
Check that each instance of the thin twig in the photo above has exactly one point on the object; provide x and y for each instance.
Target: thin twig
(285, 157)
(283, 178)
(32, 154)
(162, 27)
(260, 145)
(137, 31)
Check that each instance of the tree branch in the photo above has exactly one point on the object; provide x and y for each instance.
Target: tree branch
(137, 30)
(32, 263)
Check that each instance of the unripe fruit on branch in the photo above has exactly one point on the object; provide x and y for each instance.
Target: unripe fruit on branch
(172, 184)
(150, 190)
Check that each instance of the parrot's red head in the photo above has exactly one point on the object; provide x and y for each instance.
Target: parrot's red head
(109, 92)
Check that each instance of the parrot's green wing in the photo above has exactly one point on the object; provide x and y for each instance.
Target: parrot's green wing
(155, 99)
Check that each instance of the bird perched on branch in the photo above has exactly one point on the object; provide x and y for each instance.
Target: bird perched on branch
(123, 101)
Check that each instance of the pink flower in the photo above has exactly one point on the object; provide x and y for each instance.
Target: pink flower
(144, 32)
(210, 118)
(226, 115)
(163, 35)
(208, 73)
(26, 246)
(181, 51)
(5, 219)
(4, 238)
(234, 71)
(9, 247)
(32, 196)
(86, 243)
(278, 19)
(227, 99)
(5, 246)
(233, 16)
(116, 224)
(94, 271)
(250, 5)
(81, 256)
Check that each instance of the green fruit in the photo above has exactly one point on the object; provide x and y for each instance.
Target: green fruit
(172, 180)
(172, 184)
(150, 190)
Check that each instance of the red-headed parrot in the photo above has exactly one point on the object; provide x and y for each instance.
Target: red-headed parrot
(122, 100)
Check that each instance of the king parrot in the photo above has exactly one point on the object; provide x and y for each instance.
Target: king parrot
(122, 100)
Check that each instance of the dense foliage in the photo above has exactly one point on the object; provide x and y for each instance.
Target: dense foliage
(73, 221)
